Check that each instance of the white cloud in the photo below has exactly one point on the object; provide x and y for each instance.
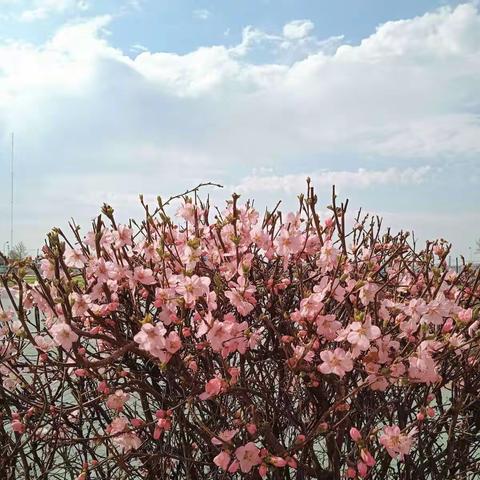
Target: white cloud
(44, 8)
(138, 47)
(87, 114)
(285, 49)
(252, 37)
(202, 14)
(361, 178)
(298, 29)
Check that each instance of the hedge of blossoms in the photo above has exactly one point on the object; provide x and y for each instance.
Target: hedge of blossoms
(225, 345)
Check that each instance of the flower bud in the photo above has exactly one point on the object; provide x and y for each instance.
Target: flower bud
(251, 429)
(362, 469)
(278, 462)
(350, 473)
(355, 435)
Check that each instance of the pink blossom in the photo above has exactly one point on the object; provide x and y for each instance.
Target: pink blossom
(398, 444)
(187, 212)
(416, 308)
(80, 304)
(234, 466)
(212, 388)
(137, 422)
(386, 348)
(261, 238)
(338, 362)
(63, 335)
(367, 293)
(311, 306)
(192, 288)
(173, 342)
(448, 326)
(190, 257)
(151, 338)
(423, 368)
(103, 270)
(123, 236)
(289, 242)
(164, 424)
(438, 309)
(380, 378)
(241, 296)
(328, 256)
(227, 337)
(212, 301)
(327, 326)
(47, 269)
(43, 343)
(128, 441)
(218, 334)
(222, 460)
(193, 366)
(360, 334)
(74, 258)
(248, 455)
(117, 400)
(18, 426)
(465, 315)
(144, 276)
(300, 352)
(119, 424)
(234, 339)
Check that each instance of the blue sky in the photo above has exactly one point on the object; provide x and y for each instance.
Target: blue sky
(112, 98)
(182, 26)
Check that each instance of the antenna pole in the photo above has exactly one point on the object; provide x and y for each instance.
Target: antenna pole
(11, 190)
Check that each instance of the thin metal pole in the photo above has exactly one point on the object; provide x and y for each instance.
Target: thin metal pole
(11, 191)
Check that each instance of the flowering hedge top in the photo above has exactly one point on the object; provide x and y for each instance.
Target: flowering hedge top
(240, 346)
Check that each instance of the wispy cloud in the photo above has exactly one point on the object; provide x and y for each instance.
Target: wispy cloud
(42, 9)
(137, 47)
(361, 178)
(297, 29)
(202, 14)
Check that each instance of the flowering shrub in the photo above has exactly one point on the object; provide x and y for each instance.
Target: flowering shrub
(235, 346)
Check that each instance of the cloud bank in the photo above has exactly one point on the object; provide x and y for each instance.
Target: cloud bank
(91, 119)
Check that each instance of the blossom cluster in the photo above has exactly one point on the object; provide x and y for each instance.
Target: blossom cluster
(240, 346)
